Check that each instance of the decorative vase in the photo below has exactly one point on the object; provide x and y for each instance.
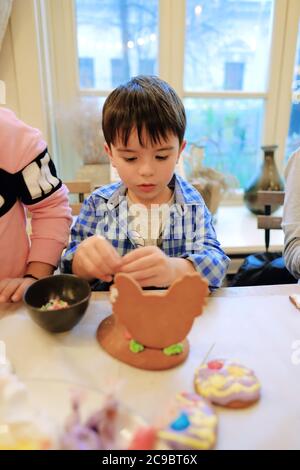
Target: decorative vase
(267, 179)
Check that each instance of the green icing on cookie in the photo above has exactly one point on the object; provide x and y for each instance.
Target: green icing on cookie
(173, 349)
(135, 346)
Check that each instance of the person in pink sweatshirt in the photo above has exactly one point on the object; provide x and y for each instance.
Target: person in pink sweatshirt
(28, 181)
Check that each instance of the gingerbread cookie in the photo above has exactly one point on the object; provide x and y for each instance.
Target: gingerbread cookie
(227, 383)
(194, 424)
(148, 329)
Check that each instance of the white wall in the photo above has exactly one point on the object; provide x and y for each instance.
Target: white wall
(8, 72)
(19, 66)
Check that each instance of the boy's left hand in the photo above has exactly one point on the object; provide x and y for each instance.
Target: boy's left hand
(12, 290)
(150, 266)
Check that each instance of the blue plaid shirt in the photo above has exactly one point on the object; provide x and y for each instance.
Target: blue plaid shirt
(188, 234)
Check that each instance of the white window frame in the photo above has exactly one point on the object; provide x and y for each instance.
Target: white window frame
(60, 31)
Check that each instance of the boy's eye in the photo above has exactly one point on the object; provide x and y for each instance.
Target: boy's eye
(160, 157)
(130, 159)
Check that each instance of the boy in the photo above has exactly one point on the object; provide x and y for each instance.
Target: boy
(143, 124)
(28, 180)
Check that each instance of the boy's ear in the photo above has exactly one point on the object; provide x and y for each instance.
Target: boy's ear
(107, 149)
(182, 147)
(109, 153)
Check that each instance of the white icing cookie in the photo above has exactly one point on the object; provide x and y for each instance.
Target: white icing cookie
(227, 383)
(193, 425)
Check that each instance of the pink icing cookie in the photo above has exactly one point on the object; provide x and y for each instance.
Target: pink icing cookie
(227, 383)
(193, 424)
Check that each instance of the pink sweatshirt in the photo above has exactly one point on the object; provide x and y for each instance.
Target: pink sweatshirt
(28, 179)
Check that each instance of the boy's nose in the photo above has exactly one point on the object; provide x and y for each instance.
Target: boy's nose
(146, 170)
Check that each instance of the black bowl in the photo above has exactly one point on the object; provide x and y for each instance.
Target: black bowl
(67, 287)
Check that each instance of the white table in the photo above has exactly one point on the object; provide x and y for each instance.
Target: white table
(257, 326)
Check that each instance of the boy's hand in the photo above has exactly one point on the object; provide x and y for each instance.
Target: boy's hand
(96, 258)
(150, 267)
(12, 290)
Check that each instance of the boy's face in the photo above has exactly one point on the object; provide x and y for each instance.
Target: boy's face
(146, 171)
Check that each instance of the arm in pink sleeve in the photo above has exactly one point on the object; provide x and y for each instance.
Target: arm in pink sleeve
(51, 220)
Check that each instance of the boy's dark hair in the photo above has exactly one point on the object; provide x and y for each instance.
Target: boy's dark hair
(145, 103)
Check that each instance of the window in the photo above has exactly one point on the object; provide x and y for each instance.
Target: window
(229, 60)
(230, 131)
(87, 72)
(227, 32)
(121, 36)
(293, 140)
(234, 75)
(227, 50)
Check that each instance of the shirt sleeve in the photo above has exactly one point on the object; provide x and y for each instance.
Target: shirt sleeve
(291, 215)
(46, 198)
(84, 227)
(37, 180)
(204, 250)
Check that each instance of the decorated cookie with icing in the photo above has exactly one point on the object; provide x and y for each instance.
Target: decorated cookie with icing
(193, 424)
(227, 383)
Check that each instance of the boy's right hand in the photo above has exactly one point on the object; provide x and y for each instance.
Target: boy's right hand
(96, 258)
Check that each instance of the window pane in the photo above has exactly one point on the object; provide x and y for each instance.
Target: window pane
(293, 140)
(227, 44)
(230, 131)
(117, 39)
(81, 141)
